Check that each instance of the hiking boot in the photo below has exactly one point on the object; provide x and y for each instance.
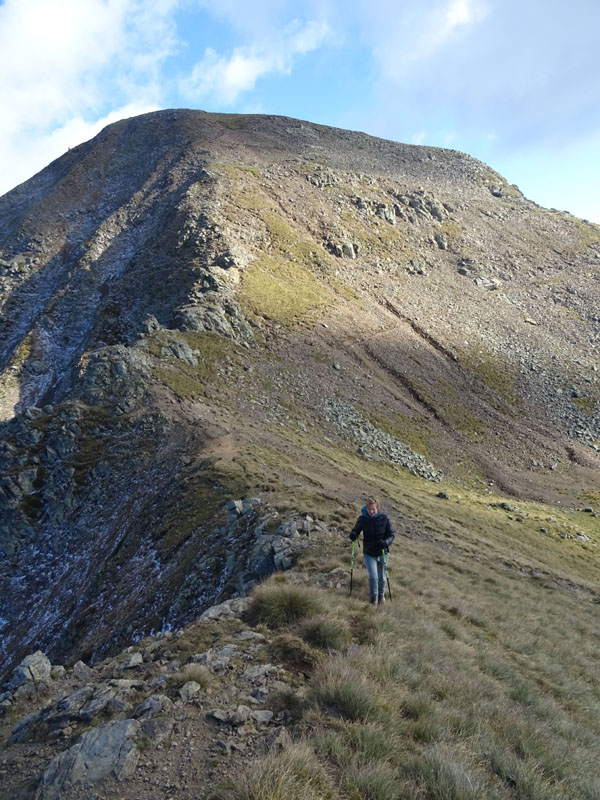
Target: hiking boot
(373, 601)
(381, 599)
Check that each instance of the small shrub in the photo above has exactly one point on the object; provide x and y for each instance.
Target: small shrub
(327, 633)
(280, 605)
(143, 743)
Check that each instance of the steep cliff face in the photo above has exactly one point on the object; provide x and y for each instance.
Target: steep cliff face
(198, 308)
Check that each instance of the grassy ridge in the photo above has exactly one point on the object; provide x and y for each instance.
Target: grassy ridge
(471, 683)
(477, 681)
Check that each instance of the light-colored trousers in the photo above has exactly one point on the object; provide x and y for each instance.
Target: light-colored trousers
(376, 567)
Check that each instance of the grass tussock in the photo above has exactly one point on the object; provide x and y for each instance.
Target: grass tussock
(278, 605)
(295, 652)
(344, 691)
(377, 782)
(443, 776)
(327, 632)
(192, 672)
(296, 774)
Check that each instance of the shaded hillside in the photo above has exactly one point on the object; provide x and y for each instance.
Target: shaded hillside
(200, 308)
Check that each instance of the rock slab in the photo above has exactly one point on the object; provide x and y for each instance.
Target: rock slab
(106, 751)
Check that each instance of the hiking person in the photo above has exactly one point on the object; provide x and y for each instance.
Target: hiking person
(378, 535)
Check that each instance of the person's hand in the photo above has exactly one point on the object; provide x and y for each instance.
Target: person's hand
(353, 537)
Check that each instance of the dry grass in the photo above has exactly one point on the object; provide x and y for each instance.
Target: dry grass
(192, 672)
(478, 680)
(276, 605)
(296, 774)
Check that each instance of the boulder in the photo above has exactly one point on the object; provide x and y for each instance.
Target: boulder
(241, 715)
(230, 608)
(154, 705)
(262, 717)
(188, 690)
(108, 751)
(82, 672)
(36, 667)
(157, 729)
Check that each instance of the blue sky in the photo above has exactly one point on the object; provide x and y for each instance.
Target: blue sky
(515, 83)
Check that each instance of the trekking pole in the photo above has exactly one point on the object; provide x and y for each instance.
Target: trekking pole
(351, 567)
(386, 574)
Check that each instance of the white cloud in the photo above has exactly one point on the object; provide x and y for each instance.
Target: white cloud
(33, 152)
(224, 78)
(65, 64)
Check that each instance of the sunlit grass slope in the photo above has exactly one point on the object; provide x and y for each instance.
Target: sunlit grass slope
(478, 680)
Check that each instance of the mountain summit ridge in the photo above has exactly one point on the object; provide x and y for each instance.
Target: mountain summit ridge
(199, 308)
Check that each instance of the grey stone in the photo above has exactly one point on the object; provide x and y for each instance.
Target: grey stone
(134, 660)
(82, 672)
(262, 717)
(108, 751)
(58, 671)
(153, 705)
(101, 700)
(245, 636)
(235, 507)
(188, 690)
(35, 667)
(230, 608)
(258, 672)
(157, 729)
(241, 715)
(20, 730)
(228, 651)
(348, 250)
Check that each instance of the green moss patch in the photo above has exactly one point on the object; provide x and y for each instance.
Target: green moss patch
(587, 404)
(283, 290)
(188, 381)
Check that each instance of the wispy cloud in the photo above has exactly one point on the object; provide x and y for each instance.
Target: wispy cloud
(223, 78)
(415, 33)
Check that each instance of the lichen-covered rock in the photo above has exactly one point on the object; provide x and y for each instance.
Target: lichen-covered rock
(35, 667)
(103, 752)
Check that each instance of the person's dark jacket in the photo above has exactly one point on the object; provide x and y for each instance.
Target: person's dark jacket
(377, 532)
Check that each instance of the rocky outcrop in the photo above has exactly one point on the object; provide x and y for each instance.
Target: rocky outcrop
(136, 706)
(117, 378)
(106, 751)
